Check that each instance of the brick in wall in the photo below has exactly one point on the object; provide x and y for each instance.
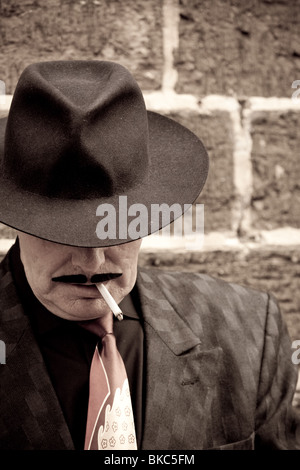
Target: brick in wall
(215, 131)
(230, 47)
(127, 32)
(276, 169)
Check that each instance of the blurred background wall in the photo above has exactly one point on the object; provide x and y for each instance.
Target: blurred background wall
(223, 68)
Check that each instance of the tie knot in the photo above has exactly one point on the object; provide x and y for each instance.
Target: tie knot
(108, 340)
(107, 336)
(101, 326)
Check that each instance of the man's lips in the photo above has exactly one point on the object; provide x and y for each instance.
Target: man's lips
(82, 279)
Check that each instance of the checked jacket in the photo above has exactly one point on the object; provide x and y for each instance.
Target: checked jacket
(218, 369)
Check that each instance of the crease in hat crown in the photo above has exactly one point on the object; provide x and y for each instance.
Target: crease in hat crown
(78, 130)
(78, 136)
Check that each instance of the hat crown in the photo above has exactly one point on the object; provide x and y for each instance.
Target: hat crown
(76, 129)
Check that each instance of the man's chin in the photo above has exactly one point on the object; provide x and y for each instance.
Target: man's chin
(81, 309)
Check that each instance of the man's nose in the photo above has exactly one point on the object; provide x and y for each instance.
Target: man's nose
(88, 260)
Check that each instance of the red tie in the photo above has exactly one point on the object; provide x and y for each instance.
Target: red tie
(110, 422)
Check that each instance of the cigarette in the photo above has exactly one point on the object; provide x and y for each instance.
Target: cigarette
(110, 301)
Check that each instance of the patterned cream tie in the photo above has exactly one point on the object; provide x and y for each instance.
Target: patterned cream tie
(110, 422)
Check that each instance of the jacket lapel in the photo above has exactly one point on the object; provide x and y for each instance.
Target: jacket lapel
(29, 406)
(180, 372)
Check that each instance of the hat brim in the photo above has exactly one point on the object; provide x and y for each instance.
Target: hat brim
(178, 171)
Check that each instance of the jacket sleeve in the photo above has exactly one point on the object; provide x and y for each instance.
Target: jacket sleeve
(277, 421)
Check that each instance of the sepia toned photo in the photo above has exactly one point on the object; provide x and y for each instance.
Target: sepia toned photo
(149, 227)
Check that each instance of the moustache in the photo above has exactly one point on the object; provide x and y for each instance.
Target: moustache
(82, 279)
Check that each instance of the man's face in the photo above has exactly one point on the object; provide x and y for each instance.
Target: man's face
(44, 260)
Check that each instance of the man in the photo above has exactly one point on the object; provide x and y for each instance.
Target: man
(208, 363)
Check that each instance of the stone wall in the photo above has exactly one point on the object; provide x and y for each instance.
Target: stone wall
(223, 68)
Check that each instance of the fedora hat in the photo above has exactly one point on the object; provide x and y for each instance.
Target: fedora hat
(78, 137)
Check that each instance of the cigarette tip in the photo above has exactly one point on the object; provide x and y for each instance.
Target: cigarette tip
(119, 316)
(110, 301)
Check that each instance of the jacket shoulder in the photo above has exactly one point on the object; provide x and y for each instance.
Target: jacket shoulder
(214, 309)
(8, 295)
(12, 318)
(214, 290)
